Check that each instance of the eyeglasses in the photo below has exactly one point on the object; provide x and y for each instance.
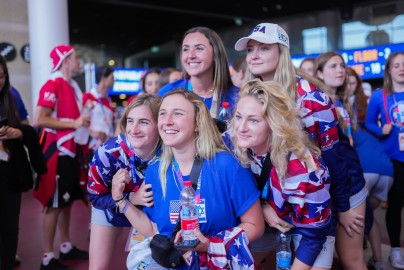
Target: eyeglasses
(3, 76)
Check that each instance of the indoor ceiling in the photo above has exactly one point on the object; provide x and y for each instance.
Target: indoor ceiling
(131, 26)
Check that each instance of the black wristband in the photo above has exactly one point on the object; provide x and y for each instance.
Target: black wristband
(123, 197)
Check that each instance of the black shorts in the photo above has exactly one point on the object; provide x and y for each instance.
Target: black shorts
(67, 183)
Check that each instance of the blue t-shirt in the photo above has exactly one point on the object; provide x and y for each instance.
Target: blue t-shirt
(227, 191)
(395, 113)
(232, 93)
(22, 111)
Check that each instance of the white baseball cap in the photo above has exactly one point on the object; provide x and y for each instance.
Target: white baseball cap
(268, 33)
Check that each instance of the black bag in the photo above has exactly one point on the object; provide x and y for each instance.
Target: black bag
(164, 252)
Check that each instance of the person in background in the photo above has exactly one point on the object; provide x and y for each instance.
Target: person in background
(268, 58)
(149, 83)
(15, 167)
(227, 195)
(206, 69)
(239, 67)
(377, 167)
(169, 75)
(123, 157)
(58, 112)
(386, 106)
(21, 109)
(308, 66)
(266, 125)
(102, 112)
(23, 114)
(331, 69)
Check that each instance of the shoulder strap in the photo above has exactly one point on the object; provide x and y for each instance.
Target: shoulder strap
(263, 178)
(195, 171)
(385, 106)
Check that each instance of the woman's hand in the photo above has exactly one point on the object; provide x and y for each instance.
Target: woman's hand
(144, 196)
(9, 133)
(386, 129)
(119, 181)
(351, 221)
(203, 244)
(274, 220)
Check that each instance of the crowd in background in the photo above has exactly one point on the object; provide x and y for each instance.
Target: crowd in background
(307, 152)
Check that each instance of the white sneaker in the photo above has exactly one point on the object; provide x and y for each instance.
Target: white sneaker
(396, 260)
(376, 265)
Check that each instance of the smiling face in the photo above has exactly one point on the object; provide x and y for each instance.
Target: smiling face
(262, 59)
(141, 130)
(176, 122)
(197, 54)
(252, 130)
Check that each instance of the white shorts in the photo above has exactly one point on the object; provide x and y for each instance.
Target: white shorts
(378, 185)
(358, 198)
(98, 217)
(326, 255)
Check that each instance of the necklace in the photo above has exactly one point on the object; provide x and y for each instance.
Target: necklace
(208, 94)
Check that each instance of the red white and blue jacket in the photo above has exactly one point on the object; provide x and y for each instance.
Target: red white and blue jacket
(320, 120)
(302, 199)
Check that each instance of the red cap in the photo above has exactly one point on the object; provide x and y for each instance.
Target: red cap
(58, 54)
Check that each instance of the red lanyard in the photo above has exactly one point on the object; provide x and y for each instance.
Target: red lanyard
(385, 106)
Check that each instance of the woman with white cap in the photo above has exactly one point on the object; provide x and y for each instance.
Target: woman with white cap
(268, 58)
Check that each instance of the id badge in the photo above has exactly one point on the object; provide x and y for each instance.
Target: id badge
(401, 140)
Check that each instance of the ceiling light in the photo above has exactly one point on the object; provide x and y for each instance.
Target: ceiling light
(155, 49)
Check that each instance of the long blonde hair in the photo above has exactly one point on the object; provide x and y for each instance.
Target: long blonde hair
(286, 133)
(286, 73)
(208, 139)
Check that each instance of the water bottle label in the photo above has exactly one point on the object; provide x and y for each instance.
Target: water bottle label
(189, 224)
(283, 259)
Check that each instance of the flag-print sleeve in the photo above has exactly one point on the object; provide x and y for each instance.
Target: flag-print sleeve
(101, 171)
(307, 191)
(320, 121)
(228, 250)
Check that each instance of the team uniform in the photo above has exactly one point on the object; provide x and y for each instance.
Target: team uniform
(225, 191)
(61, 185)
(102, 116)
(390, 109)
(302, 199)
(231, 96)
(320, 120)
(111, 156)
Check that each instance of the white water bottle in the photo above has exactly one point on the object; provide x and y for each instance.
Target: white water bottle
(188, 214)
(83, 133)
(283, 252)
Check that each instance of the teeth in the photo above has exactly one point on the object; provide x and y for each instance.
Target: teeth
(170, 131)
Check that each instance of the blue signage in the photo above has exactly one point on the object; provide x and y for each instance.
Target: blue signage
(127, 81)
(367, 62)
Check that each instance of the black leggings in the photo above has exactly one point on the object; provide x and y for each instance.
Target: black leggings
(10, 204)
(395, 200)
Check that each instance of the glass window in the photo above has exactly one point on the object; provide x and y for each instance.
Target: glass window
(315, 40)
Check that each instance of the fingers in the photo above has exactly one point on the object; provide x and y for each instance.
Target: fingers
(177, 236)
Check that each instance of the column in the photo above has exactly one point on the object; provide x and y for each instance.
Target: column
(48, 26)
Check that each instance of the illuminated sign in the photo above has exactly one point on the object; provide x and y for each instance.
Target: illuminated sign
(127, 81)
(367, 62)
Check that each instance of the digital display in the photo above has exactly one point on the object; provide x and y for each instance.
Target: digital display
(367, 62)
(127, 81)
